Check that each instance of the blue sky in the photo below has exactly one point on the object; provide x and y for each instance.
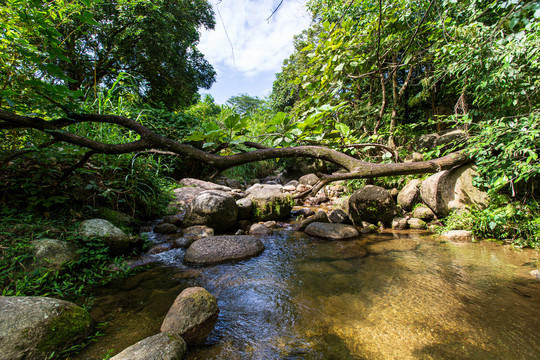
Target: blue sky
(258, 46)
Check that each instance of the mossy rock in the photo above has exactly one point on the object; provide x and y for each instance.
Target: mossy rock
(270, 203)
(33, 327)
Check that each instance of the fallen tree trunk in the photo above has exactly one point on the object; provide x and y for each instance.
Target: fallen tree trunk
(149, 140)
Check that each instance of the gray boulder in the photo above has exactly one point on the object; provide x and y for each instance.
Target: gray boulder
(339, 216)
(459, 236)
(53, 253)
(259, 229)
(424, 213)
(244, 208)
(117, 241)
(309, 179)
(220, 249)
(417, 224)
(33, 327)
(399, 223)
(165, 228)
(184, 196)
(270, 202)
(205, 185)
(192, 315)
(446, 139)
(373, 204)
(215, 209)
(451, 190)
(198, 231)
(409, 195)
(163, 346)
(331, 231)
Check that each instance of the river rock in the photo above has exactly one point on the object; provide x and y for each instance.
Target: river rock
(213, 208)
(339, 216)
(309, 179)
(176, 219)
(392, 245)
(205, 185)
(304, 212)
(320, 216)
(219, 249)
(259, 229)
(184, 196)
(459, 236)
(409, 195)
(536, 274)
(399, 223)
(32, 327)
(270, 202)
(165, 228)
(447, 139)
(53, 253)
(373, 204)
(331, 231)
(183, 242)
(424, 213)
(198, 231)
(117, 218)
(451, 190)
(244, 208)
(163, 346)
(417, 224)
(117, 241)
(192, 315)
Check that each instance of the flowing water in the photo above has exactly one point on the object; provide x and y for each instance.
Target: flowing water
(412, 297)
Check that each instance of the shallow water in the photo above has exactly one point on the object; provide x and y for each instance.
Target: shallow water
(310, 299)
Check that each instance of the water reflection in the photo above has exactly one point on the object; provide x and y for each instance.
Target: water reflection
(310, 299)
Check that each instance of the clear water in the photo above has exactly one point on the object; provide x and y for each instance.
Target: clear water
(310, 299)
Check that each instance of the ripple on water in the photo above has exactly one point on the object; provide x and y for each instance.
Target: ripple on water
(310, 299)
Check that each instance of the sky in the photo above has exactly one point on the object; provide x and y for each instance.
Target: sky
(258, 46)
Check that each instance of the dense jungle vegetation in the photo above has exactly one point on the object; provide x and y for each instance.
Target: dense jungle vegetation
(365, 72)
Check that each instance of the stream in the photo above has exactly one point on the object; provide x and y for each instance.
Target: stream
(414, 297)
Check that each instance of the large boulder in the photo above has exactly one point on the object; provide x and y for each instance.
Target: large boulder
(270, 202)
(192, 315)
(220, 249)
(117, 240)
(320, 217)
(446, 139)
(212, 208)
(409, 195)
(53, 253)
(331, 231)
(205, 185)
(33, 327)
(372, 204)
(451, 190)
(184, 196)
(163, 346)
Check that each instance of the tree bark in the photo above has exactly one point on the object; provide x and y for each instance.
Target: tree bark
(149, 140)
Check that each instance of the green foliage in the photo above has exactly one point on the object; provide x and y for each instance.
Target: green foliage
(510, 222)
(19, 277)
(245, 104)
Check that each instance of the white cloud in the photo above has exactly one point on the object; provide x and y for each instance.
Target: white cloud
(259, 46)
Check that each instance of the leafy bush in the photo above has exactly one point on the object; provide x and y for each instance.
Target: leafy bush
(510, 222)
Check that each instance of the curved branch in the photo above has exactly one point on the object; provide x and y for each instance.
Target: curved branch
(384, 147)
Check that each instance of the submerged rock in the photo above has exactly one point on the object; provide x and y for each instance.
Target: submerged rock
(463, 236)
(33, 327)
(192, 315)
(392, 245)
(163, 346)
(219, 249)
(331, 231)
(165, 228)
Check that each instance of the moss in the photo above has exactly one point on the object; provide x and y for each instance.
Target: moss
(276, 209)
(73, 324)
